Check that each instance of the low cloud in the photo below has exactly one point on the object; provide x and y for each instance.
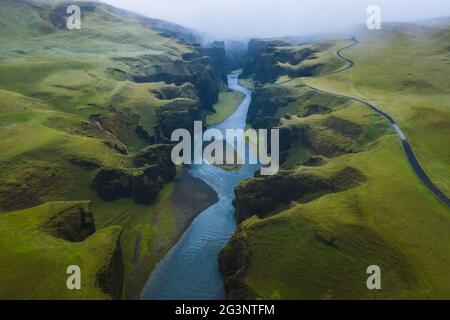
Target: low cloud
(238, 19)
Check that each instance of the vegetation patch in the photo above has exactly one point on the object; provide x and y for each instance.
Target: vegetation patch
(69, 239)
(261, 196)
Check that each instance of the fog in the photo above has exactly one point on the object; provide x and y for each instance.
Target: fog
(239, 19)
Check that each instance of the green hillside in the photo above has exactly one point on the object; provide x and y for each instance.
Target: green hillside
(347, 197)
(74, 103)
(405, 70)
(36, 253)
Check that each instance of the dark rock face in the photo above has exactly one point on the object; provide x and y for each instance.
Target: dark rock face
(205, 70)
(208, 89)
(295, 136)
(260, 196)
(145, 188)
(193, 83)
(159, 155)
(74, 224)
(285, 139)
(119, 148)
(177, 115)
(236, 53)
(154, 169)
(143, 134)
(142, 185)
(315, 161)
(186, 91)
(264, 56)
(110, 279)
(204, 82)
(260, 63)
(216, 51)
(88, 164)
(233, 262)
(112, 184)
(266, 101)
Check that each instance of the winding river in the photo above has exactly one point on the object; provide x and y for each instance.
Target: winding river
(190, 271)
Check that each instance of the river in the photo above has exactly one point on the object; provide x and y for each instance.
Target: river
(190, 271)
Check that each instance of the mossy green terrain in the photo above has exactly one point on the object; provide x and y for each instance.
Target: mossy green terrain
(318, 243)
(405, 69)
(34, 261)
(229, 101)
(73, 102)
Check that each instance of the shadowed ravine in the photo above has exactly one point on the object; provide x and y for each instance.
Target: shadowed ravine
(190, 270)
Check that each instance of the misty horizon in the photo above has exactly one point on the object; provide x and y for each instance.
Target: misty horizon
(233, 19)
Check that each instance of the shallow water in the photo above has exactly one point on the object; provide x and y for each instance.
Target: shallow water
(190, 270)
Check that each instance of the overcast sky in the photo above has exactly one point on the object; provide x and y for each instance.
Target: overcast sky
(235, 19)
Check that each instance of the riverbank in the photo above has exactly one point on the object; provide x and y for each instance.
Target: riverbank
(184, 200)
(229, 101)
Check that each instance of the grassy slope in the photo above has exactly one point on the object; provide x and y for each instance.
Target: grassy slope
(33, 260)
(247, 83)
(321, 249)
(405, 70)
(324, 56)
(229, 101)
(51, 82)
(377, 223)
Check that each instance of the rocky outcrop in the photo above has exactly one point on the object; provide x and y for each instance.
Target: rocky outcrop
(142, 185)
(146, 186)
(265, 59)
(262, 195)
(74, 224)
(266, 101)
(179, 114)
(154, 169)
(217, 52)
(143, 134)
(331, 137)
(186, 91)
(236, 53)
(203, 79)
(85, 163)
(260, 63)
(315, 161)
(204, 68)
(110, 278)
(112, 184)
(234, 260)
(160, 156)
